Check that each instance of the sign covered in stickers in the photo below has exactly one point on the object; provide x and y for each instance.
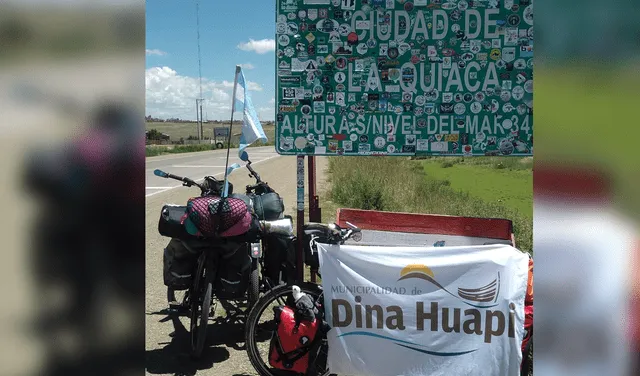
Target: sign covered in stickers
(404, 77)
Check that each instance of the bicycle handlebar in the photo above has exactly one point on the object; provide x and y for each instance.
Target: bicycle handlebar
(187, 182)
(253, 173)
(260, 185)
(334, 231)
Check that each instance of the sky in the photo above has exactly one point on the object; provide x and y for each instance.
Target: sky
(232, 33)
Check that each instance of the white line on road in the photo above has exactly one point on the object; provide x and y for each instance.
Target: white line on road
(215, 175)
(156, 187)
(196, 166)
(166, 157)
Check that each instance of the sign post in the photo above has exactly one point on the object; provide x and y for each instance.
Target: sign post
(300, 216)
(315, 213)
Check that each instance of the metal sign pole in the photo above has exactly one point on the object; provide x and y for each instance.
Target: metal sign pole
(300, 218)
(315, 214)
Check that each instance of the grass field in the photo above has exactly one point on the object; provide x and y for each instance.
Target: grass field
(482, 187)
(184, 130)
(488, 180)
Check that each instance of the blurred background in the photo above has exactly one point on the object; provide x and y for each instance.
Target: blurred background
(72, 113)
(71, 120)
(586, 174)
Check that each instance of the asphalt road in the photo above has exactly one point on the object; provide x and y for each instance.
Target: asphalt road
(225, 354)
(197, 165)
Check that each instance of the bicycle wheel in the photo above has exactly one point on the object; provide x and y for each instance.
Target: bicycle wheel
(258, 335)
(200, 310)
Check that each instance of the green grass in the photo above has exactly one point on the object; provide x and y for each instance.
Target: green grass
(511, 187)
(402, 185)
(155, 150)
(184, 130)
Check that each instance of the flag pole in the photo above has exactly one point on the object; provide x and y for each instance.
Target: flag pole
(233, 110)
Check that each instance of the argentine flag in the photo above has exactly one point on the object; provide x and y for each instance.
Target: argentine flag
(251, 128)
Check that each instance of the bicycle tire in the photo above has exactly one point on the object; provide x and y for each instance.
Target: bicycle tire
(254, 284)
(199, 332)
(259, 307)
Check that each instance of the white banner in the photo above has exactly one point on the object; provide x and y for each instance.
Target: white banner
(424, 311)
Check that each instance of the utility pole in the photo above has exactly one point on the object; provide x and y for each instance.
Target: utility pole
(197, 118)
(200, 132)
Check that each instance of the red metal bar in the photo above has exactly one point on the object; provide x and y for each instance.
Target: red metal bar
(495, 228)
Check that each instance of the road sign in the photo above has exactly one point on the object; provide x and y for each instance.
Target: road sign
(417, 77)
(221, 132)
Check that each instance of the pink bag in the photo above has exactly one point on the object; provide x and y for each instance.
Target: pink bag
(205, 218)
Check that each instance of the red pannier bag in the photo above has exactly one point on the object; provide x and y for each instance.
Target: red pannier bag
(292, 341)
(528, 327)
(528, 309)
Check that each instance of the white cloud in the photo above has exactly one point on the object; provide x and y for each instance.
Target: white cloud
(272, 100)
(258, 46)
(252, 85)
(247, 66)
(169, 94)
(155, 52)
(266, 113)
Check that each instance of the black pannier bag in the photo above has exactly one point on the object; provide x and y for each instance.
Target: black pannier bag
(170, 223)
(268, 206)
(279, 258)
(216, 186)
(179, 263)
(233, 273)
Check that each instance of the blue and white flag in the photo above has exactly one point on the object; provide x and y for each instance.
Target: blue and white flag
(251, 128)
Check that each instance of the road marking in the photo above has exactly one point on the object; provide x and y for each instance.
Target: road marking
(215, 175)
(196, 166)
(156, 187)
(259, 154)
(166, 157)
